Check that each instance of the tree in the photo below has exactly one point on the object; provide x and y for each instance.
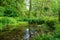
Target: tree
(30, 7)
(59, 12)
(15, 7)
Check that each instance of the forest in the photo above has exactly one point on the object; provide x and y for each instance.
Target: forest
(29, 19)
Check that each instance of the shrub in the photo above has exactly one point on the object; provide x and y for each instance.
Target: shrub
(40, 21)
(50, 25)
(25, 19)
(6, 21)
(51, 22)
(11, 12)
(57, 31)
(36, 21)
(2, 9)
(32, 21)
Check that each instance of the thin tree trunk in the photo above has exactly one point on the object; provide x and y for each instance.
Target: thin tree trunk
(59, 16)
(59, 12)
(29, 8)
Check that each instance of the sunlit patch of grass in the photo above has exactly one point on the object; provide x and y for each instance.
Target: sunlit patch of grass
(18, 25)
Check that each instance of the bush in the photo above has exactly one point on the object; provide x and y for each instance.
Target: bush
(6, 21)
(40, 21)
(11, 12)
(50, 25)
(2, 9)
(36, 21)
(32, 21)
(57, 31)
(51, 22)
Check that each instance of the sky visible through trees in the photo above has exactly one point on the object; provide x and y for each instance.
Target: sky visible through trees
(27, 4)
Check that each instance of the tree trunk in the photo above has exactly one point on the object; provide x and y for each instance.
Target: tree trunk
(59, 12)
(59, 16)
(29, 8)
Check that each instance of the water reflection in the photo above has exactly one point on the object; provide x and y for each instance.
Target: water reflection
(27, 34)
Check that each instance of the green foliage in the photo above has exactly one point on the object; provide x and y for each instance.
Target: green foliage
(2, 9)
(36, 21)
(9, 12)
(6, 21)
(45, 37)
(50, 22)
(43, 13)
(57, 31)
